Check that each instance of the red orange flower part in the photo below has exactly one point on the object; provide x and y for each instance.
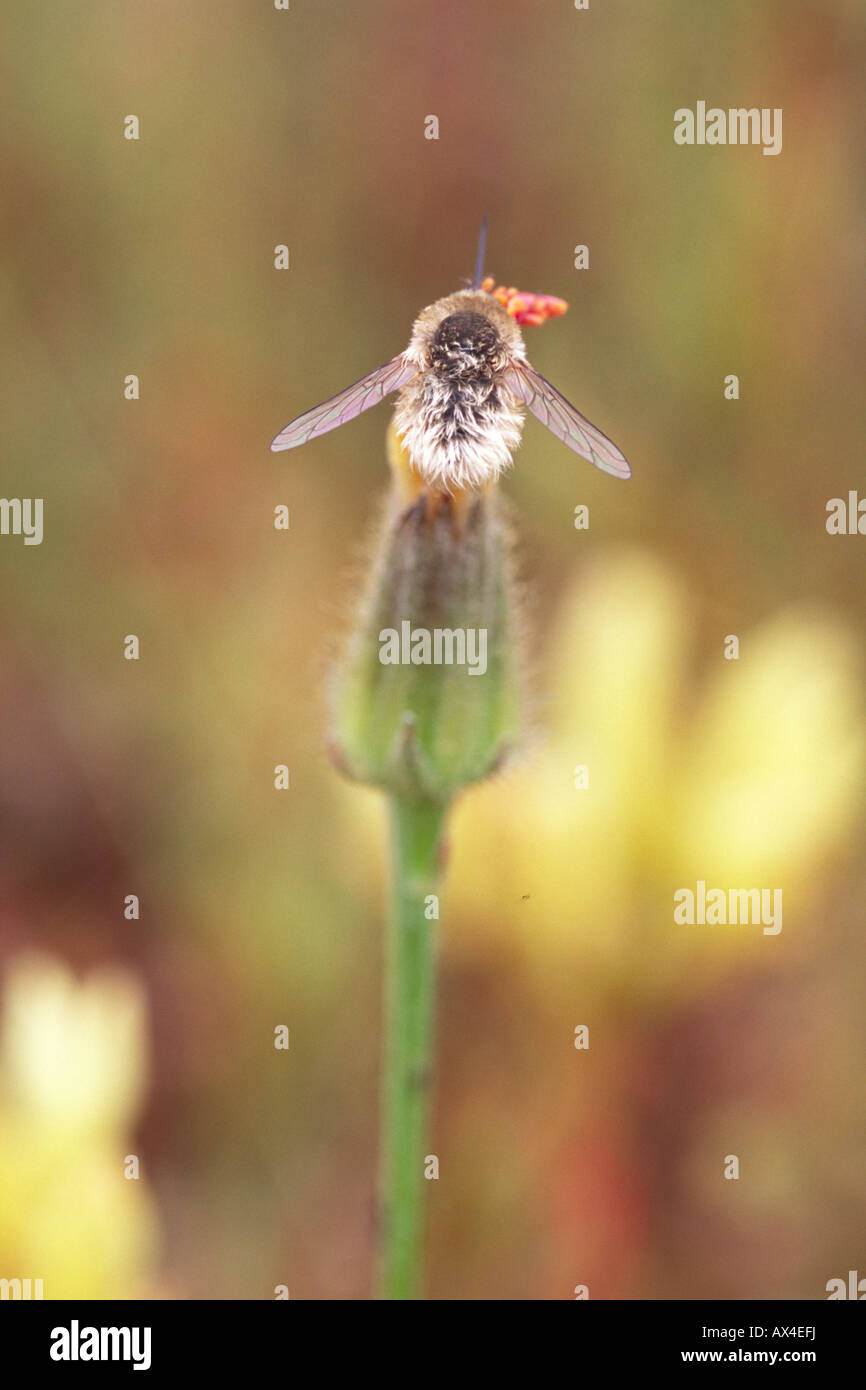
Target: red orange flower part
(524, 306)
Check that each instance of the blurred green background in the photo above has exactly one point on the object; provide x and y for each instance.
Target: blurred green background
(258, 908)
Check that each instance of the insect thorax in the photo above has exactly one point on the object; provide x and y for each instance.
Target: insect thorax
(465, 346)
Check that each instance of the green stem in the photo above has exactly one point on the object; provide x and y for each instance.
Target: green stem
(416, 831)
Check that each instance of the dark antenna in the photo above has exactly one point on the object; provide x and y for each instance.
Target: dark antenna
(479, 263)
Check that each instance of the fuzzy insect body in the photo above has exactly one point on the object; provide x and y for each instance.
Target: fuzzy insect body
(457, 418)
(462, 383)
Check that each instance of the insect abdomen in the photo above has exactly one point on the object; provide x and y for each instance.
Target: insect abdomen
(459, 433)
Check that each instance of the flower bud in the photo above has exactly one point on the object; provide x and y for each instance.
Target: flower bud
(428, 695)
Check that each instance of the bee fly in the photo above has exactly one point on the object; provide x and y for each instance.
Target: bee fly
(462, 382)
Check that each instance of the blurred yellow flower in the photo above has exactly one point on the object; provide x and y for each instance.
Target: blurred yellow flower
(72, 1074)
(745, 775)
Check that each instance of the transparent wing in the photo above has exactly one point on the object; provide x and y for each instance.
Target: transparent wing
(370, 390)
(561, 418)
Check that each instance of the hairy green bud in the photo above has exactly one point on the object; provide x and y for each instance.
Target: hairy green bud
(428, 694)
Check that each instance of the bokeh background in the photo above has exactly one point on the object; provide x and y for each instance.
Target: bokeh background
(155, 1037)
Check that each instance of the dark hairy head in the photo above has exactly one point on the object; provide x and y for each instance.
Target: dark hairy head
(465, 344)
